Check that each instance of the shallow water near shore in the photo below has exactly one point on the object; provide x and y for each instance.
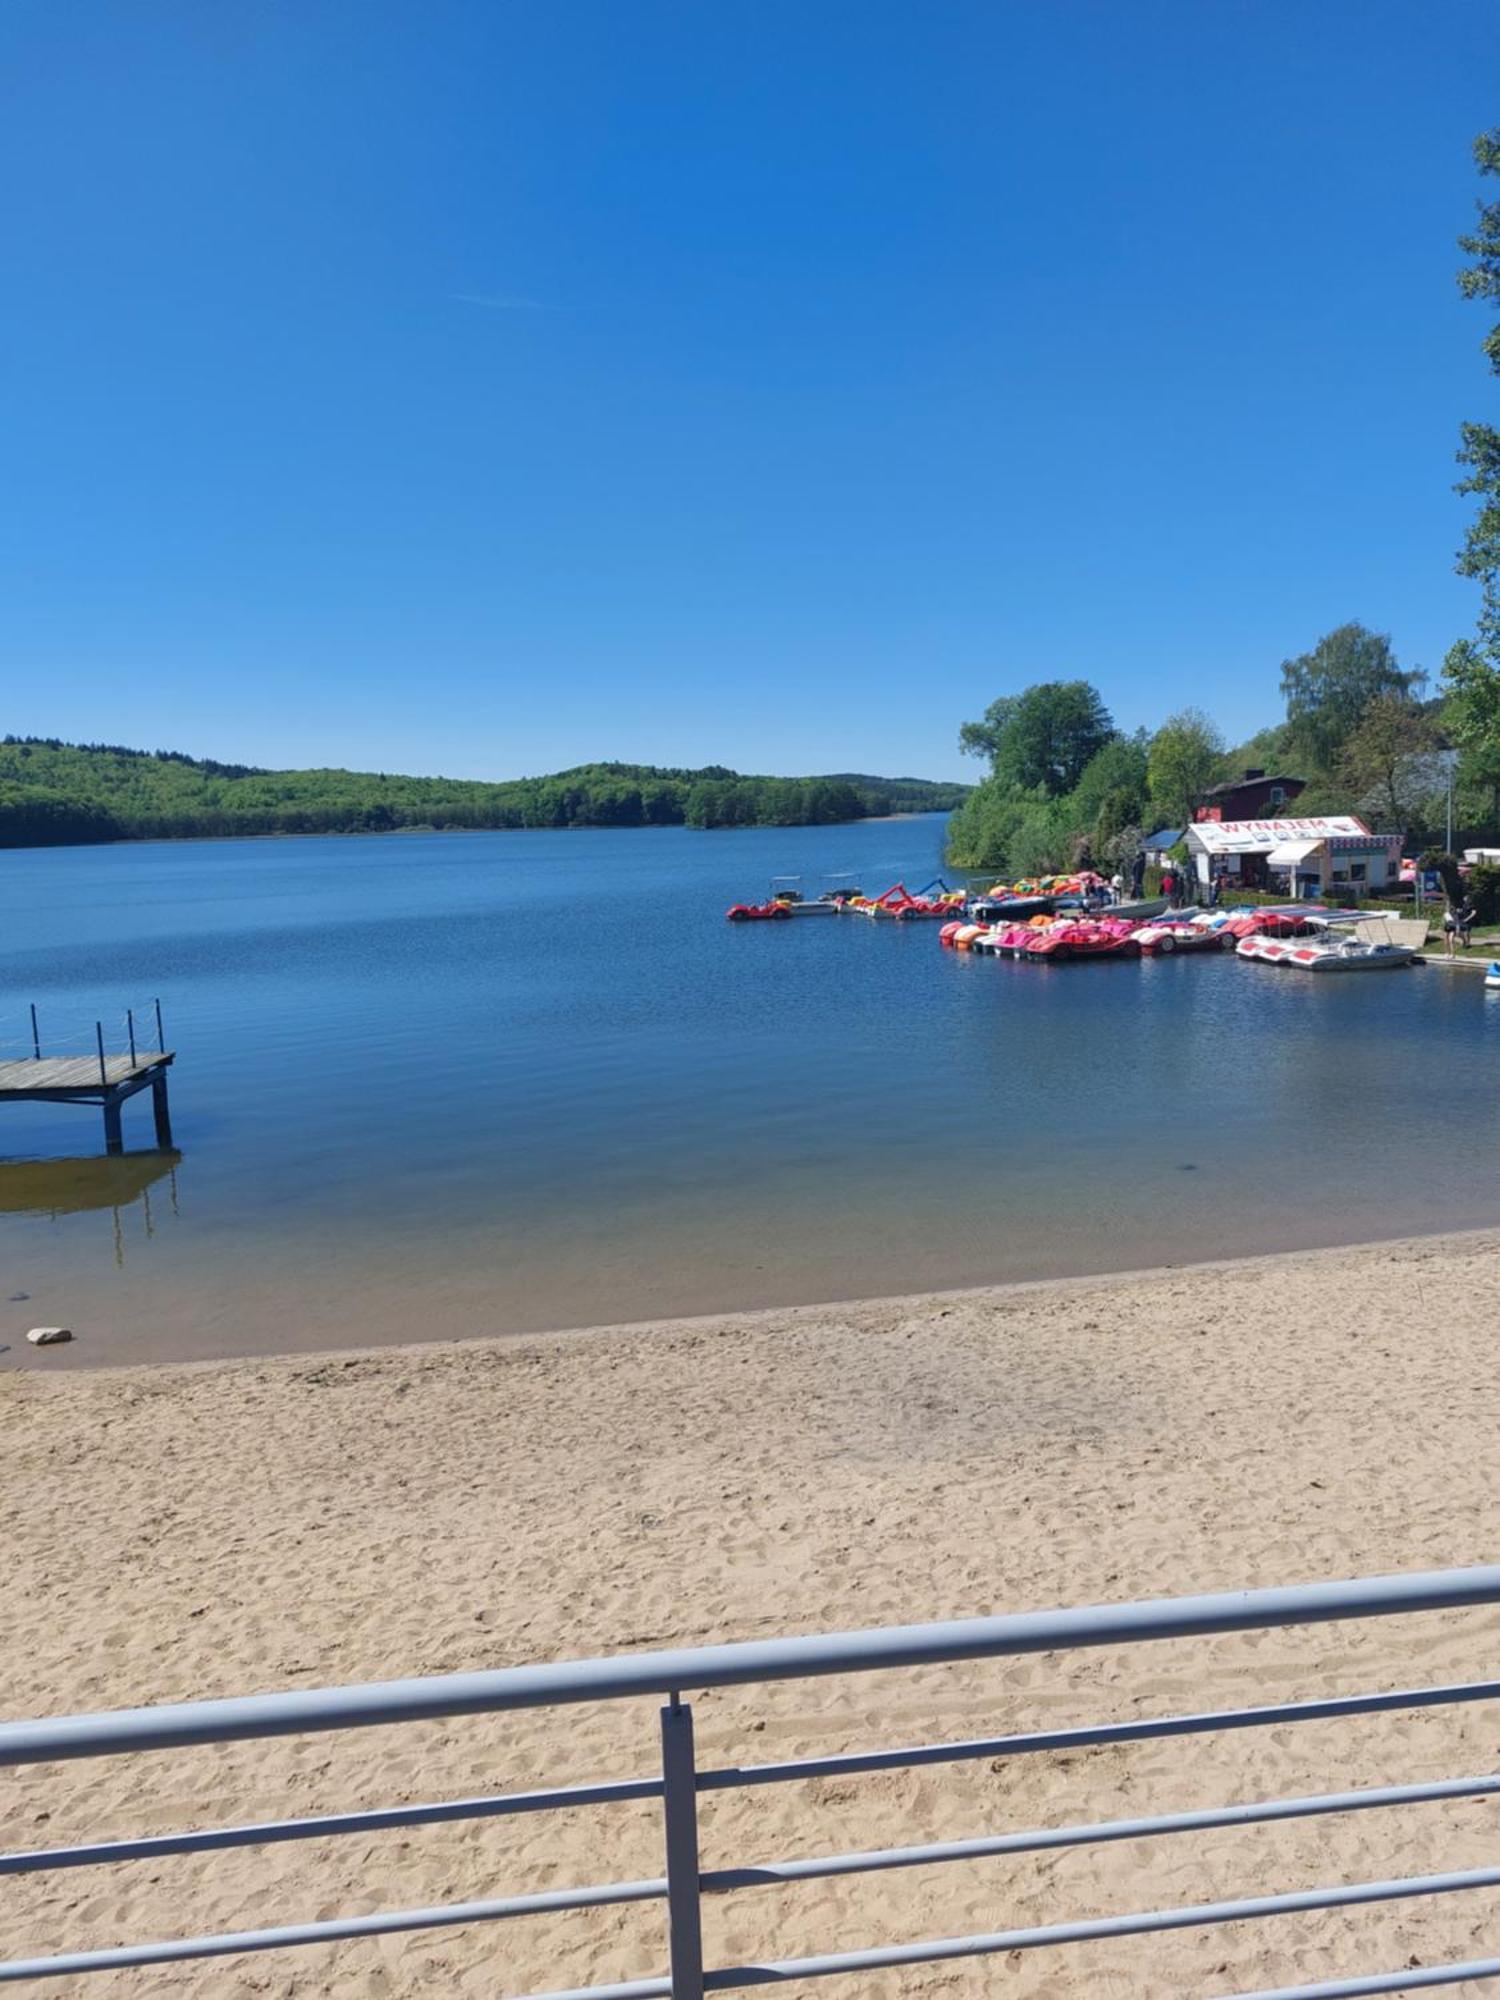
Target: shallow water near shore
(438, 1085)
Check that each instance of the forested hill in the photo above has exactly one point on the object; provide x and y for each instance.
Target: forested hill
(55, 793)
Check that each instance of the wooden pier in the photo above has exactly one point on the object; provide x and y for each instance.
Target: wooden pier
(101, 1079)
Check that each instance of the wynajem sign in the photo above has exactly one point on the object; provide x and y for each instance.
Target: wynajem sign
(1237, 836)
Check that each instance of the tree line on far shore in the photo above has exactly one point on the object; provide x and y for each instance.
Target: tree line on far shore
(1367, 735)
(54, 793)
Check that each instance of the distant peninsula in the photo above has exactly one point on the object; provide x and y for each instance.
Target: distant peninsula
(66, 794)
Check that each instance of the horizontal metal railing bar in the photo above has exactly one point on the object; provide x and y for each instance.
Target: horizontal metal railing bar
(152, 1847)
(932, 1951)
(1338, 1989)
(387, 1923)
(156, 1846)
(1089, 1834)
(757, 1660)
(1091, 1735)
(331, 1930)
(629, 1989)
(1414, 1979)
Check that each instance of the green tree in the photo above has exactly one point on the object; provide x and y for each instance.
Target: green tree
(1186, 757)
(1471, 714)
(1390, 763)
(984, 737)
(1113, 782)
(1042, 843)
(1116, 819)
(1479, 447)
(982, 831)
(1041, 740)
(1328, 690)
(1266, 750)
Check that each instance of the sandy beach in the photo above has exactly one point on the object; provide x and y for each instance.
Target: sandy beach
(231, 1527)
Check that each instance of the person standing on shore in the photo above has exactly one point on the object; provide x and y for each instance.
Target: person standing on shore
(1458, 925)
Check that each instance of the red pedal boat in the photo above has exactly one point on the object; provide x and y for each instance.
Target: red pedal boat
(1107, 938)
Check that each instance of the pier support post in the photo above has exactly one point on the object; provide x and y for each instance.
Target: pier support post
(160, 1110)
(114, 1140)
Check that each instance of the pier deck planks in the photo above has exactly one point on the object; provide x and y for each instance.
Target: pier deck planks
(77, 1073)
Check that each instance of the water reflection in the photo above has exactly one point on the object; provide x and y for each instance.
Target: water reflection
(117, 1182)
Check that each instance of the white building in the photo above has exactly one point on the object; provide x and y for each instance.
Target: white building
(1334, 856)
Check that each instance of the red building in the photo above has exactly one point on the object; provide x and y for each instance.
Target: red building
(1256, 795)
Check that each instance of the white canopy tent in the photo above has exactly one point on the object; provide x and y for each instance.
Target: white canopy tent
(1290, 852)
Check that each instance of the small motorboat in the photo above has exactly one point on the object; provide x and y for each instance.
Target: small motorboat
(1348, 955)
(758, 913)
(787, 889)
(1374, 944)
(993, 909)
(841, 891)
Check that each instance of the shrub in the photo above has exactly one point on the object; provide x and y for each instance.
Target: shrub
(1484, 888)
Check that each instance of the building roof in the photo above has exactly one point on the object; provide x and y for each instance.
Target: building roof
(1248, 778)
(1168, 837)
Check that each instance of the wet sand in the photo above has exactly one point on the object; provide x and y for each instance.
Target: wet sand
(228, 1527)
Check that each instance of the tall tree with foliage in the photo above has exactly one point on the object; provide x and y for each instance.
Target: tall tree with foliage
(1041, 740)
(987, 828)
(1479, 448)
(1328, 690)
(1112, 793)
(1185, 758)
(1471, 716)
(1392, 763)
(1040, 745)
(1471, 672)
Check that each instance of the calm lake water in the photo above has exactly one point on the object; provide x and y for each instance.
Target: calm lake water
(440, 1085)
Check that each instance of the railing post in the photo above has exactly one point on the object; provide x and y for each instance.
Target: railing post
(161, 1039)
(36, 1039)
(680, 1813)
(103, 1067)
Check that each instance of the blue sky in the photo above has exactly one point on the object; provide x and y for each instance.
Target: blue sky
(484, 388)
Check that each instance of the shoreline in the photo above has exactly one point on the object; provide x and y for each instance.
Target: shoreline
(75, 1358)
(388, 832)
(219, 1527)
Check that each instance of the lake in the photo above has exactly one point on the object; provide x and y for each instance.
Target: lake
(430, 1086)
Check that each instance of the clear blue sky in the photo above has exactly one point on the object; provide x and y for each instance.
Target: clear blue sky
(483, 386)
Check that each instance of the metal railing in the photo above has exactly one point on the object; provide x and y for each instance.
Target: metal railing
(681, 1781)
(135, 1032)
